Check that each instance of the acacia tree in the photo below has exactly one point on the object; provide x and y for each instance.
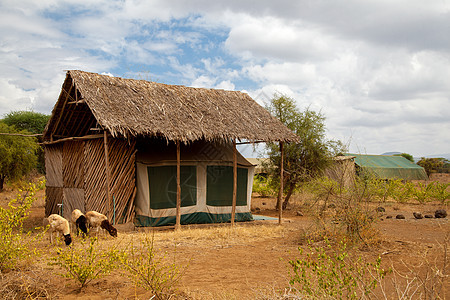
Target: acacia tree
(307, 159)
(30, 121)
(33, 122)
(17, 154)
(432, 165)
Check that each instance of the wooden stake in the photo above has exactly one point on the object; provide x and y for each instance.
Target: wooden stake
(233, 207)
(178, 217)
(280, 194)
(108, 196)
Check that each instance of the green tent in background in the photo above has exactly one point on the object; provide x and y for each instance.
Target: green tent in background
(389, 167)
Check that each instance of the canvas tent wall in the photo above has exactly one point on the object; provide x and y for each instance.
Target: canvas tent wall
(389, 167)
(206, 183)
(101, 118)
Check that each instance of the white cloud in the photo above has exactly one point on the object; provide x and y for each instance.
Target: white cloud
(274, 38)
(204, 82)
(225, 85)
(287, 73)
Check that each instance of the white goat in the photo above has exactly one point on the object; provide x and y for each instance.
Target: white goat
(96, 220)
(79, 220)
(59, 225)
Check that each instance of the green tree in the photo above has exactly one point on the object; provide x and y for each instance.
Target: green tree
(17, 154)
(431, 165)
(27, 120)
(32, 122)
(307, 159)
(407, 156)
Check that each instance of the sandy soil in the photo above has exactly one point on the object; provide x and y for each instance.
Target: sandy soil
(242, 263)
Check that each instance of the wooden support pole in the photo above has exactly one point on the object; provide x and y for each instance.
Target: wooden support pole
(280, 194)
(178, 216)
(108, 196)
(233, 206)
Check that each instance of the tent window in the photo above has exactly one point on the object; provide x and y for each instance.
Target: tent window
(219, 186)
(163, 186)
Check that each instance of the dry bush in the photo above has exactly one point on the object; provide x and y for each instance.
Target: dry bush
(151, 271)
(25, 285)
(343, 212)
(86, 261)
(427, 279)
(331, 271)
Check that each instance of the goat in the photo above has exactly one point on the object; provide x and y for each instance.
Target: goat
(96, 220)
(59, 224)
(80, 221)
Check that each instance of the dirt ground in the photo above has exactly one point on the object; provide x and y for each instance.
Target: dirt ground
(249, 261)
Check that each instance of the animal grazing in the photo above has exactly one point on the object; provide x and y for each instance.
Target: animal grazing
(96, 220)
(59, 224)
(80, 221)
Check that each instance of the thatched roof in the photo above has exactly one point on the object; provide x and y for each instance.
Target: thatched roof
(128, 107)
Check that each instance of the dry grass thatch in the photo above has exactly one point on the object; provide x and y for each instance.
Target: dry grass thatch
(128, 107)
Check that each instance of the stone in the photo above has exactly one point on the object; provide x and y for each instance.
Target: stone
(380, 209)
(257, 209)
(417, 215)
(440, 213)
(388, 217)
(428, 216)
(400, 217)
(264, 203)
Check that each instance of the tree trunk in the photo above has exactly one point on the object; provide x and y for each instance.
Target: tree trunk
(2, 181)
(288, 195)
(278, 200)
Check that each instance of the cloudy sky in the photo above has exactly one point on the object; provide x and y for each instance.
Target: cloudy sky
(378, 70)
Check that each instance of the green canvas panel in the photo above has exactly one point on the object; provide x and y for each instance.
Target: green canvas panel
(385, 166)
(219, 186)
(163, 186)
(194, 218)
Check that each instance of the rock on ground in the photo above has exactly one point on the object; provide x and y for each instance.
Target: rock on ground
(440, 213)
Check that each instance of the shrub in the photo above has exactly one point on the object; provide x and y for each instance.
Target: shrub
(86, 261)
(148, 271)
(263, 186)
(385, 189)
(328, 273)
(439, 191)
(353, 215)
(402, 191)
(14, 247)
(422, 192)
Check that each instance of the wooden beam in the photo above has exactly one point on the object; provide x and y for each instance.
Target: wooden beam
(74, 138)
(233, 205)
(280, 194)
(108, 195)
(77, 102)
(178, 216)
